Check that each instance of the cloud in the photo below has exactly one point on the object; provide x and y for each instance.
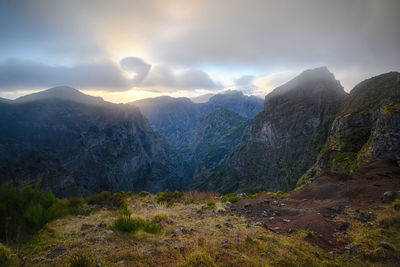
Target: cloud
(27, 74)
(18, 74)
(137, 66)
(164, 79)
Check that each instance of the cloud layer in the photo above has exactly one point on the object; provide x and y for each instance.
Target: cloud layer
(184, 44)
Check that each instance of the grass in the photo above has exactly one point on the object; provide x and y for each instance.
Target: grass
(80, 260)
(153, 244)
(7, 258)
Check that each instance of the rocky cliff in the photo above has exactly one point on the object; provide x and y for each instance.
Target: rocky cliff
(368, 127)
(77, 148)
(285, 138)
(177, 118)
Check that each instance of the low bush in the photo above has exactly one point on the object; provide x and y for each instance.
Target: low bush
(169, 197)
(6, 257)
(279, 194)
(144, 194)
(80, 260)
(128, 224)
(232, 198)
(105, 198)
(159, 218)
(25, 211)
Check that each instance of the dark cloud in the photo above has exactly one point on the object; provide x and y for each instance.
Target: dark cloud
(17, 74)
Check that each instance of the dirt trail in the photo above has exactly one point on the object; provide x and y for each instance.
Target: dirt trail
(315, 206)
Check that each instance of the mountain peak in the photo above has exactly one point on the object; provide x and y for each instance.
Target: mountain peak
(309, 82)
(63, 93)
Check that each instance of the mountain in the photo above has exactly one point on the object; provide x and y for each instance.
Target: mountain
(216, 135)
(367, 128)
(284, 139)
(201, 98)
(64, 93)
(176, 118)
(5, 100)
(77, 148)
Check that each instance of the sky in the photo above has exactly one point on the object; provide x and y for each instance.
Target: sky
(128, 50)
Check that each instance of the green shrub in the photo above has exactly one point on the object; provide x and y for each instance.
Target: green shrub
(25, 211)
(105, 198)
(254, 196)
(152, 228)
(210, 203)
(80, 260)
(128, 224)
(144, 194)
(231, 197)
(6, 257)
(396, 205)
(169, 197)
(279, 194)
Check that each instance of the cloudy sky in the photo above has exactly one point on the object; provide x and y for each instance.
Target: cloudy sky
(126, 50)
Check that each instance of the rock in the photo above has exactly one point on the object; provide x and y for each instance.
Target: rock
(109, 232)
(336, 208)
(275, 203)
(286, 220)
(272, 219)
(102, 225)
(228, 224)
(353, 249)
(344, 226)
(121, 262)
(390, 196)
(276, 229)
(224, 241)
(247, 205)
(98, 265)
(267, 201)
(56, 252)
(86, 226)
(255, 224)
(80, 216)
(218, 226)
(236, 240)
(386, 245)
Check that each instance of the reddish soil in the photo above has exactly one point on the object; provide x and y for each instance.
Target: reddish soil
(315, 206)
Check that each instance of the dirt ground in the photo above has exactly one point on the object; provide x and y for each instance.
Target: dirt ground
(325, 206)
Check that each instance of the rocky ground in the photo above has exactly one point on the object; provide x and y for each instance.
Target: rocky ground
(338, 220)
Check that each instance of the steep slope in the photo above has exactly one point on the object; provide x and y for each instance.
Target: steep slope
(216, 135)
(177, 118)
(76, 148)
(368, 127)
(173, 118)
(285, 138)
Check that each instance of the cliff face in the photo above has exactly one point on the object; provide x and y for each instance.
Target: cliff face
(216, 135)
(76, 149)
(177, 118)
(285, 138)
(368, 127)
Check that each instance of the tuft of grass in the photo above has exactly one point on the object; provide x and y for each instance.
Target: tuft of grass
(144, 194)
(396, 205)
(390, 221)
(198, 260)
(210, 203)
(80, 260)
(6, 257)
(128, 224)
(169, 197)
(105, 198)
(232, 198)
(159, 218)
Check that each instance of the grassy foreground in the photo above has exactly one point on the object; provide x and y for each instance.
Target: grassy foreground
(181, 229)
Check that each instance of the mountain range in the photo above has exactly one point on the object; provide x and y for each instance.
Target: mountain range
(78, 144)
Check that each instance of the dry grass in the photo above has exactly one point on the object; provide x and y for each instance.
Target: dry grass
(190, 237)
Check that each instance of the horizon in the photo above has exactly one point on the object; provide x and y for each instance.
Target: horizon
(141, 49)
